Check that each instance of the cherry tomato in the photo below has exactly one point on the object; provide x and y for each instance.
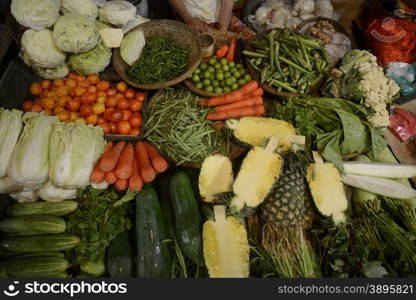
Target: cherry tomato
(111, 101)
(111, 92)
(108, 112)
(80, 78)
(27, 105)
(93, 79)
(135, 131)
(36, 107)
(88, 98)
(113, 128)
(47, 103)
(72, 75)
(139, 96)
(117, 116)
(102, 85)
(136, 120)
(73, 104)
(121, 86)
(106, 127)
(123, 104)
(135, 105)
(63, 100)
(98, 108)
(123, 127)
(73, 115)
(58, 109)
(92, 89)
(64, 116)
(57, 83)
(35, 88)
(85, 110)
(126, 114)
(129, 94)
(84, 83)
(46, 84)
(101, 120)
(92, 119)
(119, 96)
(79, 90)
(71, 83)
(62, 91)
(81, 121)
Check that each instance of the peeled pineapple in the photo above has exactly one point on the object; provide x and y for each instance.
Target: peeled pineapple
(226, 248)
(327, 189)
(257, 175)
(216, 176)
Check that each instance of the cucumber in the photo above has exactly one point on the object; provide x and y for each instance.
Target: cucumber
(39, 243)
(33, 267)
(44, 254)
(187, 217)
(37, 224)
(153, 255)
(42, 208)
(166, 204)
(120, 257)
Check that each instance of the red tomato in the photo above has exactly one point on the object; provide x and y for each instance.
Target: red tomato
(58, 83)
(136, 120)
(129, 94)
(73, 104)
(85, 110)
(35, 88)
(47, 103)
(84, 83)
(106, 127)
(103, 85)
(113, 128)
(93, 78)
(79, 90)
(101, 120)
(46, 84)
(135, 131)
(89, 97)
(111, 101)
(117, 116)
(135, 105)
(123, 127)
(123, 104)
(71, 83)
(64, 116)
(108, 112)
(111, 92)
(121, 86)
(72, 75)
(80, 78)
(92, 119)
(27, 105)
(119, 96)
(62, 91)
(44, 94)
(126, 114)
(98, 108)
(58, 109)
(139, 96)
(92, 89)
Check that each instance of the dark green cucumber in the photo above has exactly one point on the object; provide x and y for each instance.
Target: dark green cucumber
(187, 217)
(33, 267)
(42, 208)
(163, 190)
(43, 254)
(153, 255)
(39, 243)
(37, 224)
(120, 257)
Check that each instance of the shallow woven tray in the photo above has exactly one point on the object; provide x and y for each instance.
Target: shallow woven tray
(182, 34)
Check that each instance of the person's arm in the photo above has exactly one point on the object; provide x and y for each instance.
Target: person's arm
(225, 14)
(180, 8)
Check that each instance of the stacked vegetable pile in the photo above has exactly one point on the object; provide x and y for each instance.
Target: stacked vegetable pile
(89, 100)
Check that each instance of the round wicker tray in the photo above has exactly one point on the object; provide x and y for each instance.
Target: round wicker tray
(181, 33)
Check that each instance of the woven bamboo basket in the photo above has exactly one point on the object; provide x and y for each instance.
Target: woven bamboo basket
(182, 34)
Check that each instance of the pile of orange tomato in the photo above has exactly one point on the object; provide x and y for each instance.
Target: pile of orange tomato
(89, 100)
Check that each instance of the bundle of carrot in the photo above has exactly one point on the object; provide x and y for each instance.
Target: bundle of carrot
(227, 51)
(246, 101)
(128, 166)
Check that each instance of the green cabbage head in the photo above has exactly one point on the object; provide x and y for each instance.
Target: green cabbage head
(91, 62)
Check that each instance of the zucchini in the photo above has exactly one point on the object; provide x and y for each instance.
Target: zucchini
(120, 257)
(33, 267)
(379, 169)
(32, 224)
(166, 204)
(43, 254)
(187, 217)
(39, 243)
(42, 208)
(153, 255)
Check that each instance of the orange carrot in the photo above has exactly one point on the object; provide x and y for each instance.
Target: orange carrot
(251, 101)
(124, 167)
(234, 96)
(237, 113)
(257, 92)
(109, 161)
(146, 170)
(222, 51)
(231, 50)
(159, 163)
(97, 174)
(110, 177)
(121, 184)
(135, 181)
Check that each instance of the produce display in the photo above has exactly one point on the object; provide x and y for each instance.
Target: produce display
(89, 100)
(287, 61)
(97, 182)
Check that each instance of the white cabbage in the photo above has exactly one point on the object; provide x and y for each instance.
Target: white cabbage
(75, 33)
(52, 193)
(76, 149)
(10, 127)
(40, 49)
(138, 19)
(132, 46)
(9, 186)
(117, 12)
(52, 73)
(82, 7)
(304, 7)
(29, 164)
(36, 14)
(24, 197)
(91, 62)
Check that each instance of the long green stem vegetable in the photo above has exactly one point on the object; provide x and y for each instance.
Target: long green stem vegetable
(162, 60)
(178, 127)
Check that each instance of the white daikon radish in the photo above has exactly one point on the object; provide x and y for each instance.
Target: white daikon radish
(379, 169)
(380, 186)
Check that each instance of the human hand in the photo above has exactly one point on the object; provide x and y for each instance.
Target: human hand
(198, 25)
